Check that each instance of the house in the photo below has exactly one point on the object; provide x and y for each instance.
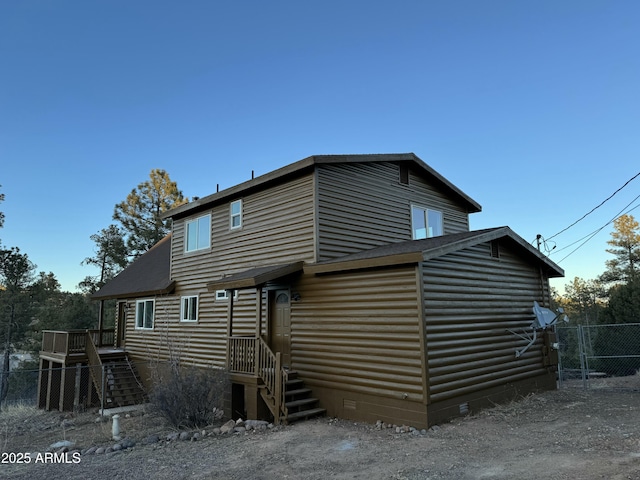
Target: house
(349, 284)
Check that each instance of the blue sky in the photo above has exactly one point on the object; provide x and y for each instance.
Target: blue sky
(531, 108)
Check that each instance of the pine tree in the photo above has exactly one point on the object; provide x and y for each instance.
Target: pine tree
(625, 243)
(140, 214)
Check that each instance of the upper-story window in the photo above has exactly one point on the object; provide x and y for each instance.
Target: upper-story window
(198, 233)
(144, 314)
(235, 214)
(425, 223)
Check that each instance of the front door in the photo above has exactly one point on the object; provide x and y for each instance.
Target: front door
(280, 325)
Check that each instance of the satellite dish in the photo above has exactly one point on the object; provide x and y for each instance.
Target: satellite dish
(544, 317)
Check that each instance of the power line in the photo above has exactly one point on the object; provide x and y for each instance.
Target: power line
(594, 233)
(595, 208)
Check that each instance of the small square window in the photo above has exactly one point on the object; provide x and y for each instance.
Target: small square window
(235, 214)
(144, 314)
(224, 295)
(189, 309)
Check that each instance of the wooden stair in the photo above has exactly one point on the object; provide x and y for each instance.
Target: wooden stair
(299, 404)
(122, 385)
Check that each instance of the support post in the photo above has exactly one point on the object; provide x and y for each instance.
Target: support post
(258, 312)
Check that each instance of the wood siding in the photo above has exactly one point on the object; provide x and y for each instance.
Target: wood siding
(471, 299)
(359, 332)
(364, 205)
(277, 227)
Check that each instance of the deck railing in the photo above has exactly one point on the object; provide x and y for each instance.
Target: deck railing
(74, 341)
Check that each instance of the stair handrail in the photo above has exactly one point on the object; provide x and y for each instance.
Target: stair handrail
(134, 373)
(95, 365)
(269, 369)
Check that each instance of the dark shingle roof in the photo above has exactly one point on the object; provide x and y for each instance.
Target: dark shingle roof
(307, 164)
(414, 251)
(148, 275)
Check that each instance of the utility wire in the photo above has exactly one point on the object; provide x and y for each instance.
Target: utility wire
(593, 234)
(595, 208)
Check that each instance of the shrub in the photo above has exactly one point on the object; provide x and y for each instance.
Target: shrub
(188, 396)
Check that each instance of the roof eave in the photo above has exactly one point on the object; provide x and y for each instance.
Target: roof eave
(146, 293)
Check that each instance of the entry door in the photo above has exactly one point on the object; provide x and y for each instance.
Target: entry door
(280, 325)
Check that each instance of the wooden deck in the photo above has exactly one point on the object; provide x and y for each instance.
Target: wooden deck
(83, 368)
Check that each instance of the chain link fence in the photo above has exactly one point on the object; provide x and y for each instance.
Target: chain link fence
(599, 356)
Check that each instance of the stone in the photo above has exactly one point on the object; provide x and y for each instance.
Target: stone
(127, 443)
(102, 419)
(239, 423)
(423, 431)
(185, 436)
(216, 431)
(99, 450)
(61, 444)
(117, 447)
(89, 451)
(196, 436)
(434, 429)
(108, 450)
(173, 436)
(239, 430)
(228, 427)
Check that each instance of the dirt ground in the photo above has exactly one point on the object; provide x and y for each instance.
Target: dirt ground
(566, 434)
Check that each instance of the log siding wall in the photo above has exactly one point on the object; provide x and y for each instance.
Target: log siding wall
(359, 332)
(364, 205)
(471, 299)
(277, 227)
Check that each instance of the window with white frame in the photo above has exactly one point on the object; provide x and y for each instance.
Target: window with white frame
(144, 314)
(224, 295)
(425, 223)
(198, 233)
(189, 309)
(235, 214)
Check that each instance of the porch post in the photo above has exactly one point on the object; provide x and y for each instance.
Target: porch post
(100, 315)
(229, 327)
(258, 312)
(230, 314)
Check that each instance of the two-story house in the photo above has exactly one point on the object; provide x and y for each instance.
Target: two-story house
(345, 283)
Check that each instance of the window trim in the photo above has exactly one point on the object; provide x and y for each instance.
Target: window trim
(184, 311)
(425, 212)
(235, 215)
(144, 301)
(196, 220)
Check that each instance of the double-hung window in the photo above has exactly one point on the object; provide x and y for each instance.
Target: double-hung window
(198, 233)
(144, 314)
(425, 223)
(189, 309)
(235, 214)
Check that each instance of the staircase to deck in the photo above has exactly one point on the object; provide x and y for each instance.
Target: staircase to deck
(115, 378)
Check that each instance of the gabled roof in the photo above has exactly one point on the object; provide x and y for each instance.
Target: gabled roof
(414, 251)
(148, 275)
(308, 164)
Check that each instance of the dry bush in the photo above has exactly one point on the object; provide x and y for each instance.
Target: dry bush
(188, 396)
